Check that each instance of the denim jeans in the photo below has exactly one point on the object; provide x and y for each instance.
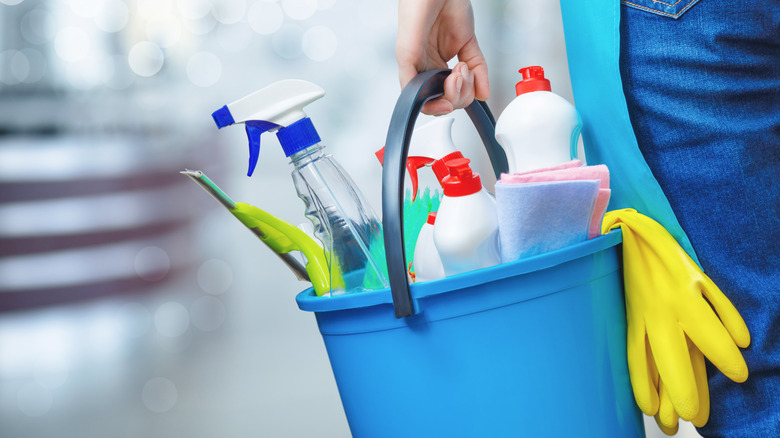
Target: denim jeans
(702, 84)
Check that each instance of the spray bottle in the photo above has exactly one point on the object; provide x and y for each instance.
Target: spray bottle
(538, 128)
(344, 223)
(431, 145)
(466, 229)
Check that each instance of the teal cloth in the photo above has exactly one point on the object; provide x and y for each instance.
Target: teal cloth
(592, 31)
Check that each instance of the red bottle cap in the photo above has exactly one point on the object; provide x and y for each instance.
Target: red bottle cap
(461, 180)
(431, 218)
(440, 166)
(533, 80)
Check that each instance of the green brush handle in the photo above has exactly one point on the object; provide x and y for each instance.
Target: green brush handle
(422, 88)
(283, 237)
(277, 234)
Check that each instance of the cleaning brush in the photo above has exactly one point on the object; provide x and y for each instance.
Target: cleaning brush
(415, 216)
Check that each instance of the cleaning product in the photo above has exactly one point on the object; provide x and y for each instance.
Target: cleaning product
(427, 262)
(466, 230)
(415, 216)
(280, 236)
(538, 128)
(344, 223)
(431, 145)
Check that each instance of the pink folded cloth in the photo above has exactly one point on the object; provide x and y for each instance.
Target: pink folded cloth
(566, 165)
(570, 171)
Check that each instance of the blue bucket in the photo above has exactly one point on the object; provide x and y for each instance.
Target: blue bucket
(532, 348)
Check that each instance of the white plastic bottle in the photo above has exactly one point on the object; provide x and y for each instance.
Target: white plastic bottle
(427, 262)
(431, 145)
(538, 128)
(466, 230)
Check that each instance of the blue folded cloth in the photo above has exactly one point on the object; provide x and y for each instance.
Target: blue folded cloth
(538, 217)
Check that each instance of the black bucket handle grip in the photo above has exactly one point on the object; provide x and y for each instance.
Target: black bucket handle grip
(422, 88)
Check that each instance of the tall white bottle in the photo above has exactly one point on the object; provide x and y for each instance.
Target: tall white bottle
(427, 262)
(431, 145)
(538, 128)
(466, 230)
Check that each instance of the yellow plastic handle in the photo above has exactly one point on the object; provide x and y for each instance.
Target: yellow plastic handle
(283, 237)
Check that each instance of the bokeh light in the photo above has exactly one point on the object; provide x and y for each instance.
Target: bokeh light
(34, 400)
(229, 11)
(234, 37)
(299, 9)
(201, 26)
(152, 263)
(51, 374)
(165, 32)
(20, 66)
(154, 9)
(14, 67)
(204, 69)
(37, 65)
(83, 8)
(265, 18)
(171, 319)
(319, 43)
(287, 41)
(193, 9)
(90, 71)
(159, 395)
(113, 16)
(146, 58)
(72, 44)
(134, 319)
(207, 313)
(35, 26)
(325, 4)
(215, 276)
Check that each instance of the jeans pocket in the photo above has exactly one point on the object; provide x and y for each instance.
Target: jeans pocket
(668, 8)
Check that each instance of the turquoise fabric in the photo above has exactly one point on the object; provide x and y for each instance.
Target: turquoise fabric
(592, 31)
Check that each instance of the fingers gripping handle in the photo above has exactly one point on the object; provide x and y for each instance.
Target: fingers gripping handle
(423, 87)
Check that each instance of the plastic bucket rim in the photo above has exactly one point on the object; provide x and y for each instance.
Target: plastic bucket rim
(308, 301)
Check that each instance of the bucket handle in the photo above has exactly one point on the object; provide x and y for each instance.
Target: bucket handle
(422, 88)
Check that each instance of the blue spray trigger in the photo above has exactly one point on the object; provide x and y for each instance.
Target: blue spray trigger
(254, 130)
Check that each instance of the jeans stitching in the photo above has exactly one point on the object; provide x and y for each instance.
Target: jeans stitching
(667, 4)
(657, 11)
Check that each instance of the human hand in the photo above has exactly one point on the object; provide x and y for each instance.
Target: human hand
(430, 33)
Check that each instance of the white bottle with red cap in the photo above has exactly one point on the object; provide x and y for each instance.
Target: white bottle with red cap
(431, 145)
(538, 128)
(466, 229)
(427, 262)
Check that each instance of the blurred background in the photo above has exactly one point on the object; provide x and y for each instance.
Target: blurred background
(131, 304)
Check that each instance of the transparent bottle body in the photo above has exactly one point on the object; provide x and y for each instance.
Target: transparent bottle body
(350, 232)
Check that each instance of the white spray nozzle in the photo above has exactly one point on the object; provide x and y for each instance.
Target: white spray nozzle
(275, 107)
(280, 103)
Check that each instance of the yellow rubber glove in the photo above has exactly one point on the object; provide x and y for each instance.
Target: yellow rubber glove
(665, 301)
(667, 418)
